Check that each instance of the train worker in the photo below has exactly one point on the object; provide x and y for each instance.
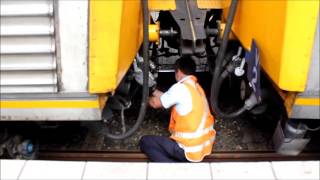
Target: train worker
(191, 123)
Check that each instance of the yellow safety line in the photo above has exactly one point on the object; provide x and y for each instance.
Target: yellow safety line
(50, 104)
(307, 101)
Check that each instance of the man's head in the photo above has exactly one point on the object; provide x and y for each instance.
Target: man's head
(184, 66)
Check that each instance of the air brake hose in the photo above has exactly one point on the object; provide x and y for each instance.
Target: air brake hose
(145, 91)
(217, 79)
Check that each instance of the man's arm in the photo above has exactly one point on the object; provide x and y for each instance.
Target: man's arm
(157, 93)
(155, 102)
(167, 99)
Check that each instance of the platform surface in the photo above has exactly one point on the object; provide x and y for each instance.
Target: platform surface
(89, 170)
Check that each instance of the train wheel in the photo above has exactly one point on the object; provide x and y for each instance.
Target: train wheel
(19, 148)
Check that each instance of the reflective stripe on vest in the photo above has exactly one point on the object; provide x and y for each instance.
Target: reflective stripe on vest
(197, 148)
(196, 134)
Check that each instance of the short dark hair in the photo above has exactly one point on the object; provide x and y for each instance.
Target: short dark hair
(186, 65)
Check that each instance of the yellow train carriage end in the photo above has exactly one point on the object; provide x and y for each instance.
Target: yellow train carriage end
(115, 35)
(284, 31)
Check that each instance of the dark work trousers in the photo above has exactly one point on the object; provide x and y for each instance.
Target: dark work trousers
(161, 149)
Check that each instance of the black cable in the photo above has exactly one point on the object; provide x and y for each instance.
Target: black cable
(229, 114)
(312, 129)
(216, 79)
(145, 91)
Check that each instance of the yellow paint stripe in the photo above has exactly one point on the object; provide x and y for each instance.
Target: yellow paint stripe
(50, 104)
(162, 5)
(307, 101)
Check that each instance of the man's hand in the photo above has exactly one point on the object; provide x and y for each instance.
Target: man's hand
(155, 102)
(157, 93)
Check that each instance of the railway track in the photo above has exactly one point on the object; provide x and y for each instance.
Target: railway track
(136, 156)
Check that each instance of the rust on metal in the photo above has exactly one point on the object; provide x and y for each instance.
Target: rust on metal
(136, 156)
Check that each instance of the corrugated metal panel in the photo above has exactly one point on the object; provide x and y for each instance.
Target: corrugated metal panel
(28, 78)
(11, 26)
(28, 89)
(15, 62)
(24, 44)
(27, 47)
(26, 7)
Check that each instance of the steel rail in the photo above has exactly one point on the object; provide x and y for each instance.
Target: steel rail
(136, 156)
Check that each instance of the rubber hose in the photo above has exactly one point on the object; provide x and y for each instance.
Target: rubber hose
(145, 91)
(216, 79)
(223, 114)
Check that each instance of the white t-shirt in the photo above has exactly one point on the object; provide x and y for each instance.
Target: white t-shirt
(178, 95)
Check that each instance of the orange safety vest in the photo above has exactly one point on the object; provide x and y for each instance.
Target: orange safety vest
(194, 131)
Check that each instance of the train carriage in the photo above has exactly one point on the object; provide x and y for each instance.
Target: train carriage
(68, 60)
